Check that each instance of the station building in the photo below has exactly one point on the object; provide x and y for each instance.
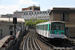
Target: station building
(68, 16)
(7, 26)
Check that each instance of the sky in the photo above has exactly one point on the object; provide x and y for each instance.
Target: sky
(10, 6)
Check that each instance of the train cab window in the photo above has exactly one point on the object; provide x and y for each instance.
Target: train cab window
(57, 26)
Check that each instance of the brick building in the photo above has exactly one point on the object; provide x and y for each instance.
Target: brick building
(68, 16)
(34, 8)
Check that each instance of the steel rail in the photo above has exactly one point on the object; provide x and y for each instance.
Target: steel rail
(64, 46)
(25, 42)
(30, 42)
(37, 45)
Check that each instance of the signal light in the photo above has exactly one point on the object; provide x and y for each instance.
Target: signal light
(3, 46)
(11, 38)
(14, 20)
(6, 42)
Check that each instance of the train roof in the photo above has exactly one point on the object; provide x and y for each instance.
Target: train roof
(50, 22)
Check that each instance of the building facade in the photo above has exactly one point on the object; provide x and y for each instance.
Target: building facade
(28, 13)
(33, 8)
(68, 16)
(43, 15)
(7, 16)
(7, 26)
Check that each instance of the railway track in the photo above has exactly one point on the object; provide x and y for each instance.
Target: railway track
(63, 46)
(30, 42)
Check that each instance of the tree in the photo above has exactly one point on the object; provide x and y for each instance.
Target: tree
(33, 22)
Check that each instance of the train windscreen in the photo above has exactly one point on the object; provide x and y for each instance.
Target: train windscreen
(57, 26)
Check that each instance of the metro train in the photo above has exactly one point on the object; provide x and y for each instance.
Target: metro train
(52, 31)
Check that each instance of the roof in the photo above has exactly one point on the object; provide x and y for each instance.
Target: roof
(11, 20)
(67, 10)
(50, 22)
(2, 41)
(23, 11)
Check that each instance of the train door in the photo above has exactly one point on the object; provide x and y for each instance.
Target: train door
(67, 31)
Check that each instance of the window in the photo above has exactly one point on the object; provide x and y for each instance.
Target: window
(36, 8)
(29, 13)
(0, 32)
(38, 27)
(48, 11)
(37, 12)
(42, 27)
(30, 8)
(65, 17)
(24, 14)
(40, 12)
(45, 27)
(45, 12)
(32, 13)
(57, 26)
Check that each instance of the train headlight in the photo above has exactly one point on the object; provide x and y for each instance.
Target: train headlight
(52, 32)
(62, 33)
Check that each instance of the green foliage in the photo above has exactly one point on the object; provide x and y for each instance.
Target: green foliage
(33, 22)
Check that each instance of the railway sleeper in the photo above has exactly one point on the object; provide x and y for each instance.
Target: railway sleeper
(62, 48)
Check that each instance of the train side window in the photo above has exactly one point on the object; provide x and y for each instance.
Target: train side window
(46, 27)
(41, 27)
(38, 27)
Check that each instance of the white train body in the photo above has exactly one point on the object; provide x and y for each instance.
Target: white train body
(51, 29)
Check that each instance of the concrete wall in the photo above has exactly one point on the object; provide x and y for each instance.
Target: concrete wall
(5, 29)
(4, 26)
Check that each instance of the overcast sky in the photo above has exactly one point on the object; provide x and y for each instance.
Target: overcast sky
(9, 6)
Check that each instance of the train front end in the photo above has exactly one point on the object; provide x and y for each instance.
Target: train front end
(57, 33)
(57, 30)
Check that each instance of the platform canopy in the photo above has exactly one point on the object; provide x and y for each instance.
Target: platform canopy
(11, 20)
